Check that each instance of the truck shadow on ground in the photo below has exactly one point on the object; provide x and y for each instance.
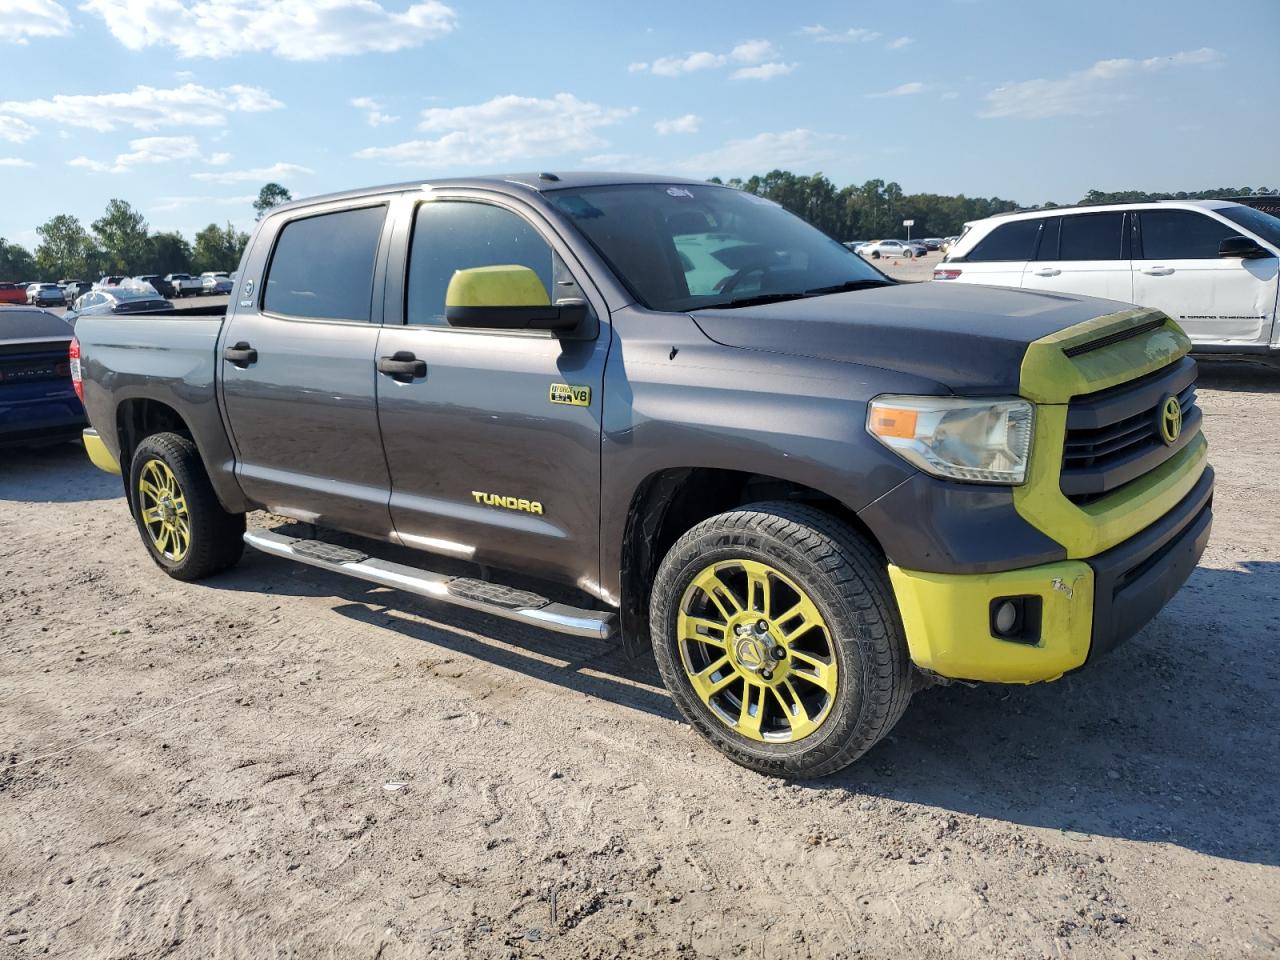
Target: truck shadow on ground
(60, 473)
(1170, 739)
(1236, 376)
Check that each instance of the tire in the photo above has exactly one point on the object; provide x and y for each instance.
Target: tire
(179, 518)
(908, 254)
(845, 579)
(875, 255)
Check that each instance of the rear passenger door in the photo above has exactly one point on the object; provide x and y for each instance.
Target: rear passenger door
(297, 368)
(1215, 299)
(487, 462)
(1083, 253)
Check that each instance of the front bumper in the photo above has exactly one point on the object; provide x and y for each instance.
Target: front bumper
(1089, 606)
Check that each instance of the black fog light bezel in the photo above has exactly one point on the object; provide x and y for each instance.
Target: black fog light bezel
(1026, 623)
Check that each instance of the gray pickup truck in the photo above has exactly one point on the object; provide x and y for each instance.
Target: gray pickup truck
(700, 422)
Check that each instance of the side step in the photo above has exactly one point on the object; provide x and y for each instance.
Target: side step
(474, 594)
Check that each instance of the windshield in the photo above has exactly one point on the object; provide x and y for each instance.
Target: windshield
(1260, 224)
(686, 247)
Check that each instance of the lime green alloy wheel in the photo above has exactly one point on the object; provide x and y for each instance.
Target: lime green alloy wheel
(163, 507)
(185, 528)
(775, 630)
(757, 651)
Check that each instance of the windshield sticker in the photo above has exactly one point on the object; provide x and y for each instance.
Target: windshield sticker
(679, 192)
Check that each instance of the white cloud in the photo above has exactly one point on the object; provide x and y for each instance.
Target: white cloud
(167, 204)
(1085, 92)
(765, 71)
(22, 19)
(15, 162)
(749, 52)
(145, 108)
(899, 42)
(218, 159)
(852, 35)
(502, 130)
(373, 111)
(16, 131)
(292, 29)
(144, 151)
(686, 124)
(277, 171)
(792, 149)
(902, 90)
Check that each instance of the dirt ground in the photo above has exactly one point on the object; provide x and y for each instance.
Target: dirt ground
(280, 762)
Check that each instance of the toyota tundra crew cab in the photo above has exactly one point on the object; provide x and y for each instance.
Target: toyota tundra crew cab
(684, 416)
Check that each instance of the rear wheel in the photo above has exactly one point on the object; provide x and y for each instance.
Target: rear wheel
(775, 630)
(183, 525)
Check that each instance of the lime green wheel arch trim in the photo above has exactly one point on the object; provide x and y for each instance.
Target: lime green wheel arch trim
(1051, 378)
(947, 621)
(162, 505)
(99, 455)
(757, 651)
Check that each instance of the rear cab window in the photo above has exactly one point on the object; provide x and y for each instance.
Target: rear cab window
(323, 266)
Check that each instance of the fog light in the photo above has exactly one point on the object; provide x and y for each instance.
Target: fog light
(1006, 617)
(1016, 619)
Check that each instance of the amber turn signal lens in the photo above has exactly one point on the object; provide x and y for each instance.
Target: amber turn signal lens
(888, 422)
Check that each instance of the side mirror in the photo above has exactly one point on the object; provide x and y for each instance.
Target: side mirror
(1243, 248)
(507, 297)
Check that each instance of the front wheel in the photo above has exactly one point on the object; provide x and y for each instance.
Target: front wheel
(775, 630)
(183, 525)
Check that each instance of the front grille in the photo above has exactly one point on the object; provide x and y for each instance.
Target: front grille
(1113, 436)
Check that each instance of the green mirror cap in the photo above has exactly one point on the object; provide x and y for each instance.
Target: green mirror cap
(503, 285)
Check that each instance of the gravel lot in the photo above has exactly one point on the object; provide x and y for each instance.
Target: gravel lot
(280, 762)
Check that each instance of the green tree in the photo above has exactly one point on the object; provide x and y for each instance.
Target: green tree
(122, 235)
(170, 253)
(16, 262)
(219, 248)
(272, 195)
(63, 244)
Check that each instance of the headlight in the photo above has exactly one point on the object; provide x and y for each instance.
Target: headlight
(960, 438)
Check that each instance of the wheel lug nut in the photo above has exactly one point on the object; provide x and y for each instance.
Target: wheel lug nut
(766, 675)
(762, 626)
(778, 653)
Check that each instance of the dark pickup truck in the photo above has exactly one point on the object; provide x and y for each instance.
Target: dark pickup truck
(700, 422)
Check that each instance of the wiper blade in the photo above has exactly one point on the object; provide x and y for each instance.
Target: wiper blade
(847, 286)
(756, 300)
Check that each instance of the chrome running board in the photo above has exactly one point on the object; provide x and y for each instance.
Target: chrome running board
(487, 597)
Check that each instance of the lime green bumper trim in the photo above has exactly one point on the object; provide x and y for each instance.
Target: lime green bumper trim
(947, 620)
(98, 452)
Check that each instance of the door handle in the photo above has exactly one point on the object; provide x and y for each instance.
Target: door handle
(241, 355)
(1047, 272)
(402, 366)
(1157, 271)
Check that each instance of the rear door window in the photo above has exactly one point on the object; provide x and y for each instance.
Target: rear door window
(1092, 236)
(1181, 235)
(1010, 241)
(323, 266)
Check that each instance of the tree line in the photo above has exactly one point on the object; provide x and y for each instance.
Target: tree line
(120, 242)
(876, 209)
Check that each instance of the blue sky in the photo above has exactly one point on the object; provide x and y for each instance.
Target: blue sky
(186, 107)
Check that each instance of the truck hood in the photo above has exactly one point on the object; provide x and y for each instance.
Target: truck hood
(970, 339)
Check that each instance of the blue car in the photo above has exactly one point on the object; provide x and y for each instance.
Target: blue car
(38, 404)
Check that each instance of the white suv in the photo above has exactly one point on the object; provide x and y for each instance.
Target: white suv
(1210, 264)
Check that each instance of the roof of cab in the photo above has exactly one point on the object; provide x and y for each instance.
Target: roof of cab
(513, 183)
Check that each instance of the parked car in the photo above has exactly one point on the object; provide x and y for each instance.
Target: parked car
(72, 289)
(46, 295)
(1209, 264)
(13, 293)
(680, 444)
(111, 281)
(216, 282)
(158, 283)
(932, 243)
(38, 402)
(183, 284)
(119, 300)
(893, 248)
(947, 243)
